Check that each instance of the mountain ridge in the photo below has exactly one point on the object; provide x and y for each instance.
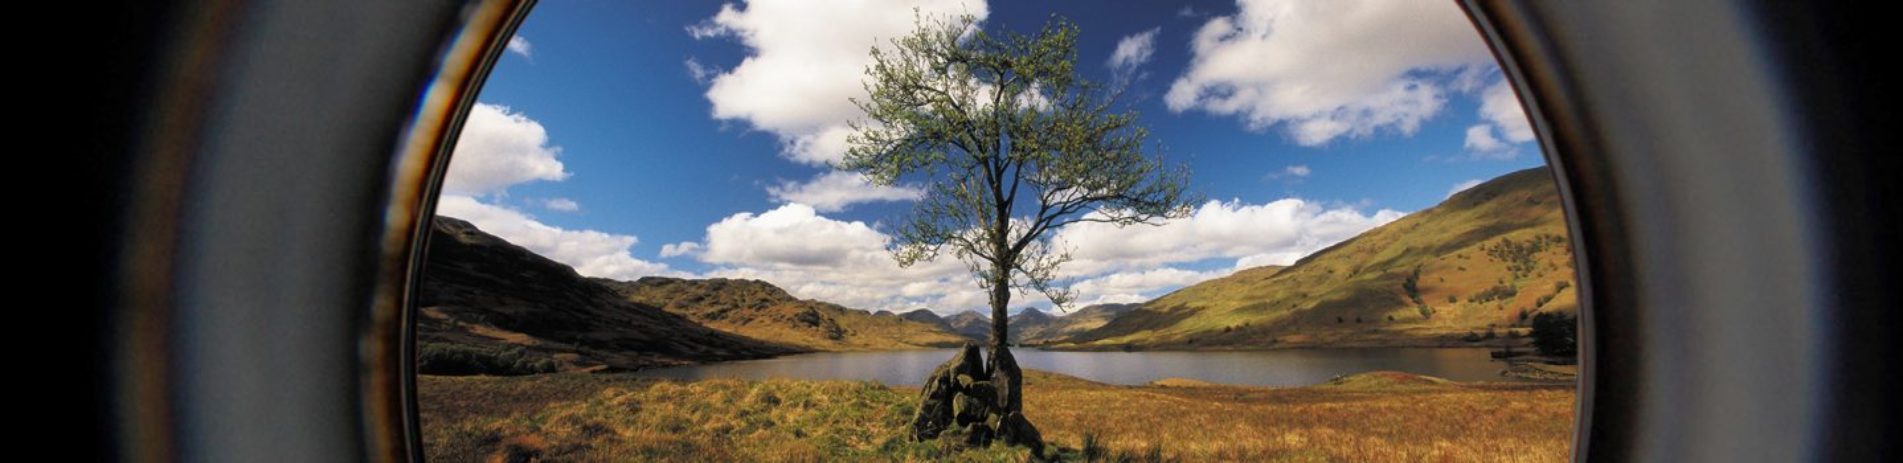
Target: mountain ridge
(1482, 261)
(543, 311)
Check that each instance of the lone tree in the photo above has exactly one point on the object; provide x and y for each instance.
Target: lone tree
(1011, 145)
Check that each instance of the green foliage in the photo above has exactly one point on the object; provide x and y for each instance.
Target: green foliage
(459, 359)
(1520, 255)
(1498, 292)
(1010, 144)
(1412, 285)
(1555, 333)
(1426, 312)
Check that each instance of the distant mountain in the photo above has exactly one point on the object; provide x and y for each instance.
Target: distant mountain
(971, 324)
(483, 297)
(1034, 327)
(926, 316)
(1483, 260)
(759, 310)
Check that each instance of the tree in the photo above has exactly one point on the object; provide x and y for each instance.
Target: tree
(1010, 145)
(1555, 333)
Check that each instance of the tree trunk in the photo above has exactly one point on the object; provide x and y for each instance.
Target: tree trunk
(1001, 366)
(1000, 298)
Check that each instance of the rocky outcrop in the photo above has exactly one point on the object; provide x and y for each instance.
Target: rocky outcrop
(965, 402)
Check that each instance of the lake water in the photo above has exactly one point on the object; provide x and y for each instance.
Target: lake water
(1284, 367)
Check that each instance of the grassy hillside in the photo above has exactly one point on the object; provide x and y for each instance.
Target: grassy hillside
(1373, 417)
(1485, 259)
(491, 307)
(759, 310)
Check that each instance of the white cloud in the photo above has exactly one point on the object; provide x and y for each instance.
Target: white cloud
(1298, 170)
(833, 191)
(700, 72)
(791, 235)
(519, 45)
(499, 148)
(562, 204)
(805, 60)
(1132, 51)
(1278, 232)
(1480, 139)
(591, 253)
(1502, 128)
(1324, 70)
(679, 249)
(1500, 107)
(845, 262)
(1463, 186)
(1138, 286)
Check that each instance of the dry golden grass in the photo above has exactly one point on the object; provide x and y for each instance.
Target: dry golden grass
(1373, 418)
(1370, 420)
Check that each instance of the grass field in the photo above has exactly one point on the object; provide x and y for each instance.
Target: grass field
(1370, 417)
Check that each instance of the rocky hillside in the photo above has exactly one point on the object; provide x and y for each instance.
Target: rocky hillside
(1483, 261)
(758, 309)
(484, 302)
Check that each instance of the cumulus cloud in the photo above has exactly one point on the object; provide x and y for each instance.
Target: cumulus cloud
(1139, 285)
(562, 204)
(1277, 232)
(1132, 51)
(679, 249)
(499, 148)
(1324, 70)
(1503, 125)
(805, 60)
(794, 235)
(813, 256)
(833, 191)
(1480, 140)
(520, 46)
(1463, 186)
(846, 262)
(591, 253)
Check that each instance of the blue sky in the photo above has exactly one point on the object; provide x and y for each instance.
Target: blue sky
(689, 138)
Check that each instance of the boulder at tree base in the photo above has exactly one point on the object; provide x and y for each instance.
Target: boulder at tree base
(963, 402)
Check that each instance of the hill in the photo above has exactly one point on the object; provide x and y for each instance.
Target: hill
(971, 324)
(1483, 261)
(926, 316)
(759, 310)
(1034, 327)
(488, 306)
